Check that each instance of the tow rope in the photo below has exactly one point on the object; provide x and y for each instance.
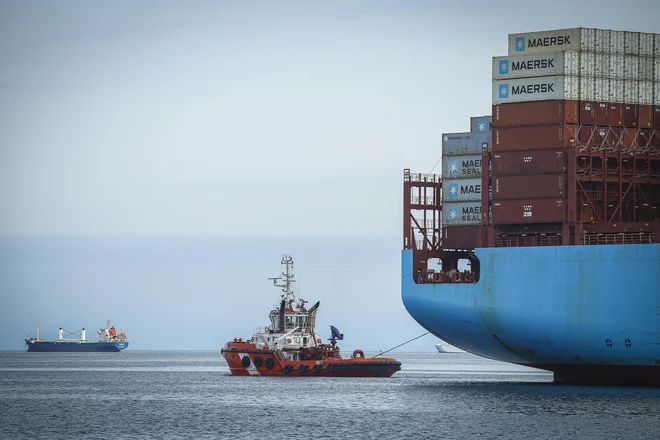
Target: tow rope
(383, 352)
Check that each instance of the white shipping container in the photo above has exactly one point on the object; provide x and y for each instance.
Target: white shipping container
(616, 90)
(545, 41)
(630, 92)
(631, 42)
(541, 88)
(657, 45)
(462, 214)
(646, 44)
(588, 40)
(587, 89)
(603, 40)
(481, 124)
(656, 93)
(656, 70)
(462, 166)
(464, 144)
(631, 67)
(461, 190)
(602, 89)
(646, 65)
(616, 66)
(602, 65)
(616, 42)
(645, 93)
(588, 64)
(543, 64)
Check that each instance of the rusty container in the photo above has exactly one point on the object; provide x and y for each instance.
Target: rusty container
(460, 237)
(655, 143)
(512, 163)
(528, 187)
(600, 116)
(615, 115)
(629, 115)
(535, 113)
(587, 112)
(599, 136)
(645, 116)
(511, 212)
(656, 117)
(541, 137)
(644, 140)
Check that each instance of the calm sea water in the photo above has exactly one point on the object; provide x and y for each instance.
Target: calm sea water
(191, 395)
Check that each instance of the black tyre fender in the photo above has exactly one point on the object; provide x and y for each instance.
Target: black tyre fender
(258, 361)
(270, 363)
(245, 361)
(316, 368)
(302, 368)
(287, 368)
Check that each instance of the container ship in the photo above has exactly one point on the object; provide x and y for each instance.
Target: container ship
(109, 341)
(539, 244)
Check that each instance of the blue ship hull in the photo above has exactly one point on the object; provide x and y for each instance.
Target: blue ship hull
(590, 314)
(96, 347)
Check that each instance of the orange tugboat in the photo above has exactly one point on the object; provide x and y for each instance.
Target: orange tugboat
(290, 347)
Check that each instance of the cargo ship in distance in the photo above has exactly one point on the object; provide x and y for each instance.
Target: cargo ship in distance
(289, 346)
(109, 341)
(539, 244)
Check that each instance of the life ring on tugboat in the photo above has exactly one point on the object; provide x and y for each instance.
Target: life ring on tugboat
(270, 363)
(245, 361)
(287, 369)
(302, 368)
(258, 361)
(316, 368)
(358, 352)
(319, 340)
(288, 341)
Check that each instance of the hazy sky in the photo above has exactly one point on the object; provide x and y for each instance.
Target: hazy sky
(244, 117)
(240, 119)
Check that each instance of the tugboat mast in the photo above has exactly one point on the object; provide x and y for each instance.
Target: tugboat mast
(288, 295)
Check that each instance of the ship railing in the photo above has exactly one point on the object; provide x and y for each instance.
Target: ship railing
(421, 177)
(528, 240)
(620, 238)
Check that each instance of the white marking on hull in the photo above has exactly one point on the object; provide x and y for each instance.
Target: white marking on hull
(251, 369)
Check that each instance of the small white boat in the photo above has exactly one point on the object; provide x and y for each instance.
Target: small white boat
(444, 347)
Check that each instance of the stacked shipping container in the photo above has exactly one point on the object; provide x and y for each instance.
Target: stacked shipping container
(462, 163)
(576, 111)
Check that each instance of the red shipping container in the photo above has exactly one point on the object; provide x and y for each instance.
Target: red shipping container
(615, 115)
(644, 139)
(629, 139)
(600, 117)
(460, 237)
(513, 212)
(645, 116)
(527, 187)
(535, 113)
(599, 136)
(629, 115)
(511, 163)
(656, 117)
(539, 137)
(587, 112)
(655, 143)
